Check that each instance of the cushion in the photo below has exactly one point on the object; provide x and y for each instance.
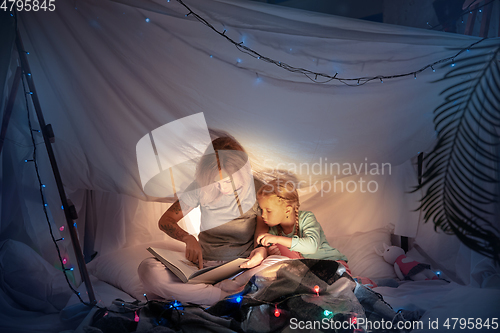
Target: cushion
(29, 280)
(359, 248)
(119, 268)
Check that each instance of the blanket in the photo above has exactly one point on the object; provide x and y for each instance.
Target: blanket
(302, 295)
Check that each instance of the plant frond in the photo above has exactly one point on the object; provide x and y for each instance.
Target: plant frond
(462, 170)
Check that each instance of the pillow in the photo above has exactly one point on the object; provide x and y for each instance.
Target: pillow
(119, 268)
(362, 258)
(29, 280)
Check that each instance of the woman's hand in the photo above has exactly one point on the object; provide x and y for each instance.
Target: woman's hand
(193, 250)
(255, 258)
(267, 239)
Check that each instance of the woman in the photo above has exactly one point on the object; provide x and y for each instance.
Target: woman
(230, 222)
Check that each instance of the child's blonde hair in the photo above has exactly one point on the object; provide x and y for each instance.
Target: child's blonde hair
(286, 192)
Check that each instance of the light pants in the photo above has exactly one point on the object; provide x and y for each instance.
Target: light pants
(160, 282)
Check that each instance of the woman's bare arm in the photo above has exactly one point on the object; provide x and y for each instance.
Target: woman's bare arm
(168, 223)
(259, 253)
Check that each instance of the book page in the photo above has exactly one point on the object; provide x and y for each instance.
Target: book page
(177, 259)
(218, 273)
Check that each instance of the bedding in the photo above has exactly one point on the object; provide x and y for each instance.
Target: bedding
(119, 268)
(276, 299)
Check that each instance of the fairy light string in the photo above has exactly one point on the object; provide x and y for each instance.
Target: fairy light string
(63, 260)
(312, 75)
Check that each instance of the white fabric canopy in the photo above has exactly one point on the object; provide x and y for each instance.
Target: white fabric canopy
(108, 73)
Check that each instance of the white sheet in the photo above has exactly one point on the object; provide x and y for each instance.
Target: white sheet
(106, 76)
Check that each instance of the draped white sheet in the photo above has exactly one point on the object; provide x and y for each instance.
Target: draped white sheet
(107, 73)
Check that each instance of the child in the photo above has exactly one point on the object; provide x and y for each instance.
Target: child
(297, 230)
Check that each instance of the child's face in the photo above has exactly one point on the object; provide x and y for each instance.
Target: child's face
(273, 210)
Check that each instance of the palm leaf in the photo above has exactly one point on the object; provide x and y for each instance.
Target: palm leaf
(462, 171)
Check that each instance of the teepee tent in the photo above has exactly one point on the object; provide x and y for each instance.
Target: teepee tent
(345, 105)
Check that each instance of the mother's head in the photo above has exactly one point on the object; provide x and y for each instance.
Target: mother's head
(222, 170)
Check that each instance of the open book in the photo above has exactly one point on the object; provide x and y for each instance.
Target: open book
(189, 272)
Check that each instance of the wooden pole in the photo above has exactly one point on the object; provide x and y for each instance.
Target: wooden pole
(48, 139)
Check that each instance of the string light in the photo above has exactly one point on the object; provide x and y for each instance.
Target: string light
(327, 313)
(316, 290)
(64, 261)
(276, 311)
(308, 73)
(41, 185)
(136, 317)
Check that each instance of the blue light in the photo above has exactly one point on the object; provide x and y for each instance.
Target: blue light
(74, 224)
(43, 185)
(238, 60)
(25, 161)
(453, 65)
(327, 313)
(211, 56)
(238, 299)
(62, 207)
(46, 205)
(147, 20)
(258, 80)
(71, 269)
(480, 10)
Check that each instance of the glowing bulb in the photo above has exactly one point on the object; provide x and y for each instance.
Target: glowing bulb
(238, 299)
(147, 20)
(64, 261)
(327, 313)
(316, 290)
(61, 228)
(136, 318)
(276, 311)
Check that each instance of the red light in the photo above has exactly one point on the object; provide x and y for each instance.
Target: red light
(136, 318)
(276, 311)
(316, 290)
(354, 320)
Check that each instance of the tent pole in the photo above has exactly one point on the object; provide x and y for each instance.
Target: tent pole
(48, 136)
(10, 106)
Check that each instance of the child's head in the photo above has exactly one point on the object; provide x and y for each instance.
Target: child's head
(279, 202)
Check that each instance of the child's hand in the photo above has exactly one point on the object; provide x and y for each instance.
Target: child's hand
(266, 239)
(273, 250)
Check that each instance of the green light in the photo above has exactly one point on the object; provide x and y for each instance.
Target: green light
(327, 313)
